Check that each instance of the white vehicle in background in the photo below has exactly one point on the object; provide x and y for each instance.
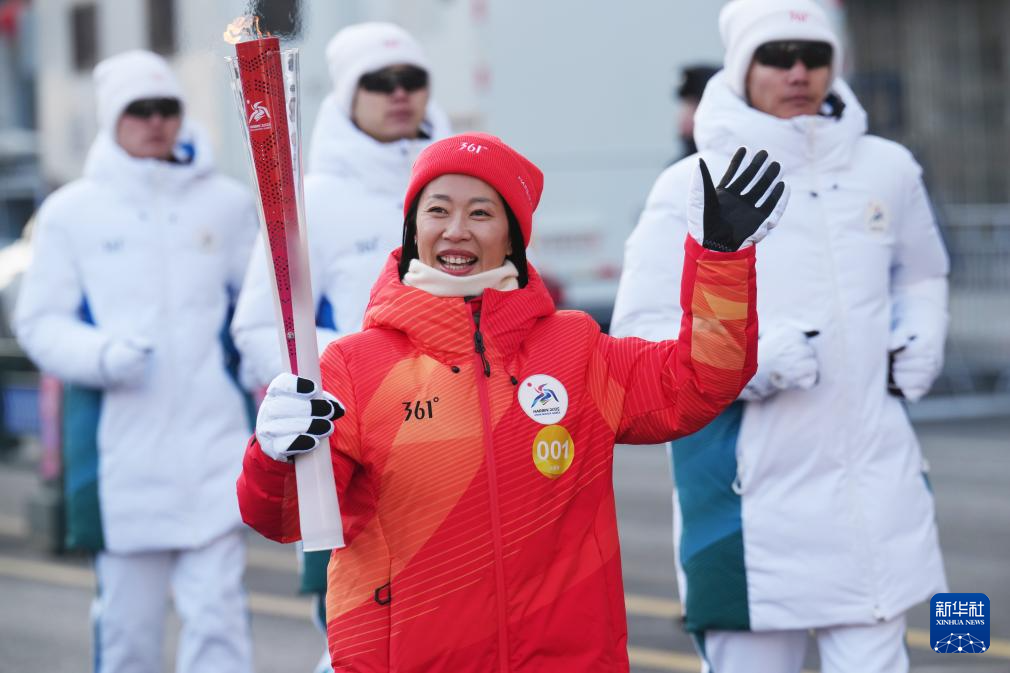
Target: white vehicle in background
(582, 88)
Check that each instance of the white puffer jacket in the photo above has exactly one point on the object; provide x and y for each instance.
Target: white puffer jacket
(809, 508)
(154, 250)
(354, 215)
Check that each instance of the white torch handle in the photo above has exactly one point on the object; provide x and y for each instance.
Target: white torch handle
(318, 509)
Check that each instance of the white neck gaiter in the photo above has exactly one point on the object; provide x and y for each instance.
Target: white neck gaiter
(442, 284)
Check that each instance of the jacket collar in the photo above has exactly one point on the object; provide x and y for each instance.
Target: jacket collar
(137, 179)
(443, 326)
(724, 122)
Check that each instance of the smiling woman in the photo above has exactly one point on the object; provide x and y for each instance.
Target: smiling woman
(468, 217)
(480, 526)
(462, 228)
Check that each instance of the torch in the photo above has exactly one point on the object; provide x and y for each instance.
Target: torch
(265, 83)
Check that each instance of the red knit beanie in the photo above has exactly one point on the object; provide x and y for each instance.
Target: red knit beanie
(485, 157)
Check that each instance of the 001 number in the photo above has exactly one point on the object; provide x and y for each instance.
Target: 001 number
(553, 451)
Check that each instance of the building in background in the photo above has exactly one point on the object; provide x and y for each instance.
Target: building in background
(21, 186)
(21, 190)
(582, 88)
(935, 76)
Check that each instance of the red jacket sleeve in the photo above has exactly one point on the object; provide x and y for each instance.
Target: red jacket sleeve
(656, 392)
(267, 496)
(267, 490)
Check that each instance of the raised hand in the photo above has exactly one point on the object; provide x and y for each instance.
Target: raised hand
(725, 218)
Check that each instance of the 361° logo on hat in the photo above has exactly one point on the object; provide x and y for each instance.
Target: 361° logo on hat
(472, 148)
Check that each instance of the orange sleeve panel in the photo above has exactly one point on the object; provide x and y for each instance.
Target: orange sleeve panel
(661, 391)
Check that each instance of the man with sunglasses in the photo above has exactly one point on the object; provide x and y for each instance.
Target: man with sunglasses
(134, 268)
(804, 506)
(370, 127)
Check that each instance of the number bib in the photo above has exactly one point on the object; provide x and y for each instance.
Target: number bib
(553, 451)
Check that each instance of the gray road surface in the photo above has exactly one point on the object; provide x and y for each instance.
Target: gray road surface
(44, 600)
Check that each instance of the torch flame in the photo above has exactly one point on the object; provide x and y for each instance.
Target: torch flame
(243, 28)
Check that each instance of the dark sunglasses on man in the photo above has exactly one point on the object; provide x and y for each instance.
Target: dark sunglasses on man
(408, 77)
(784, 54)
(146, 108)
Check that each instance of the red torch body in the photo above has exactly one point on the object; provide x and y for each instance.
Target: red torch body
(265, 83)
(262, 78)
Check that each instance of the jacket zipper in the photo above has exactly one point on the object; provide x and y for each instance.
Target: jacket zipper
(850, 485)
(499, 564)
(478, 344)
(159, 223)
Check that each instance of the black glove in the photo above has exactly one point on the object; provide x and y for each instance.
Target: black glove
(733, 219)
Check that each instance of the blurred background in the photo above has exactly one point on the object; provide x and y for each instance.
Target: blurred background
(587, 89)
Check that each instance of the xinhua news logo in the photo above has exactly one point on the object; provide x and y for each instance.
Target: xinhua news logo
(959, 623)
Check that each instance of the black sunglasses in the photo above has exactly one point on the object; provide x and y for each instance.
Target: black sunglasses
(785, 53)
(410, 78)
(146, 108)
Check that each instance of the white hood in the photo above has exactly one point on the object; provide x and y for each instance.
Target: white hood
(108, 162)
(339, 148)
(724, 122)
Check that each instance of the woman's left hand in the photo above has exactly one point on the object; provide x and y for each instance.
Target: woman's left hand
(723, 217)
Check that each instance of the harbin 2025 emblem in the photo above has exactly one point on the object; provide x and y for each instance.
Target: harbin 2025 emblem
(543, 398)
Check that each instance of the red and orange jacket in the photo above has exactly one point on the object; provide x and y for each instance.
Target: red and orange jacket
(474, 463)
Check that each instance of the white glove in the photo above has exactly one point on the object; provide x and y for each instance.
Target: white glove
(293, 417)
(914, 366)
(786, 360)
(124, 362)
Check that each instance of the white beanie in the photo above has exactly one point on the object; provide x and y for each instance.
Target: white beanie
(364, 48)
(128, 77)
(747, 24)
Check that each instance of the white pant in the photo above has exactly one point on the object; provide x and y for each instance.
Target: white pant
(876, 648)
(206, 584)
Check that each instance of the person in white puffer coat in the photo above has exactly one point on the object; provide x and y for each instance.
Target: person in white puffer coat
(806, 504)
(369, 129)
(135, 266)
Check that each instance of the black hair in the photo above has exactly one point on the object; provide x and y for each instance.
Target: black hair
(693, 80)
(408, 250)
(518, 245)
